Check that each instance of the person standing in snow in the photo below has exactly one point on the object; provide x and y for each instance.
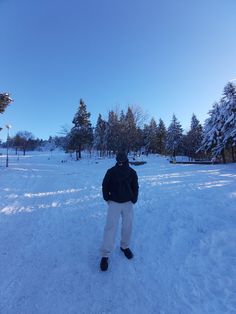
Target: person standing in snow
(120, 191)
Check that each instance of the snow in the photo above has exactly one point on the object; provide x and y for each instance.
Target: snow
(52, 217)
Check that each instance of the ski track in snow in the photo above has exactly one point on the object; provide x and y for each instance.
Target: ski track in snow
(51, 223)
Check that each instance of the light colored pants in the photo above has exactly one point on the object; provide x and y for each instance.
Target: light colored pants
(115, 210)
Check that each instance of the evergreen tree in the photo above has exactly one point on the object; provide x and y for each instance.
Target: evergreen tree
(220, 127)
(139, 141)
(161, 137)
(153, 140)
(113, 131)
(146, 138)
(5, 101)
(81, 134)
(130, 131)
(229, 127)
(122, 132)
(100, 135)
(213, 138)
(193, 138)
(174, 138)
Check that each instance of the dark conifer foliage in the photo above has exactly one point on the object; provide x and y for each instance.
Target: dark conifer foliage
(161, 137)
(174, 138)
(100, 136)
(5, 101)
(219, 136)
(113, 133)
(130, 131)
(193, 138)
(81, 134)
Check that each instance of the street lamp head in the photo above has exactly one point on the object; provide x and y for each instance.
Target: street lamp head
(8, 126)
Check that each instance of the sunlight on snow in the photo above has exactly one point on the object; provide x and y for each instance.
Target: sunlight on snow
(230, 175)
(40, 194)
(20, 169)
(154, 183)
(166, 176)
(9, 210)
(213, 184)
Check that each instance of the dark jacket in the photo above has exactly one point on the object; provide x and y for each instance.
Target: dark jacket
(120, 184)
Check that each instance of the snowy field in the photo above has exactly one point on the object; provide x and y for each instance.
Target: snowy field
(52, 217)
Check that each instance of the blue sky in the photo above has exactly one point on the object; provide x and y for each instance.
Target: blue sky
(168, 56)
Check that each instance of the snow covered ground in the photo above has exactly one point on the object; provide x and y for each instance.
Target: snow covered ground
(51, 222)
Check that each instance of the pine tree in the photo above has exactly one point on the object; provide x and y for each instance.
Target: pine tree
(174, 138)
(229, 127)
(122, 132)
(5, 101)
(193, 138)
(140, 140)
(113, 130)
(220, 127)
(153, 140)
(81, 134)
(161, 137)
(100, 135)
(130, 131)
(213, 138)
(147, 138)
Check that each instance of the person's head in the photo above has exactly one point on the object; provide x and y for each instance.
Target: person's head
(121, 158)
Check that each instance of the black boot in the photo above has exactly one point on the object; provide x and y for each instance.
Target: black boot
(128, 253)
(104, 263)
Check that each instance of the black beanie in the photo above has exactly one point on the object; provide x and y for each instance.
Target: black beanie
(121, 157)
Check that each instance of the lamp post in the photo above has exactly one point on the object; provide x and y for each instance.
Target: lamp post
(8, 126)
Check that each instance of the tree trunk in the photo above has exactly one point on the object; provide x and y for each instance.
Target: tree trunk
(79, 151)
(232, 151)
(223, 156)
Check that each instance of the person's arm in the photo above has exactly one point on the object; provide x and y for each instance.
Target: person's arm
(105, 186)
(135, 187)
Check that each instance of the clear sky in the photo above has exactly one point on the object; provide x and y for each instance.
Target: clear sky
(167, 56)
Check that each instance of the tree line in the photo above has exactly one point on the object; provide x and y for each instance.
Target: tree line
(123, 131)
(130, 132)
(126, 131)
